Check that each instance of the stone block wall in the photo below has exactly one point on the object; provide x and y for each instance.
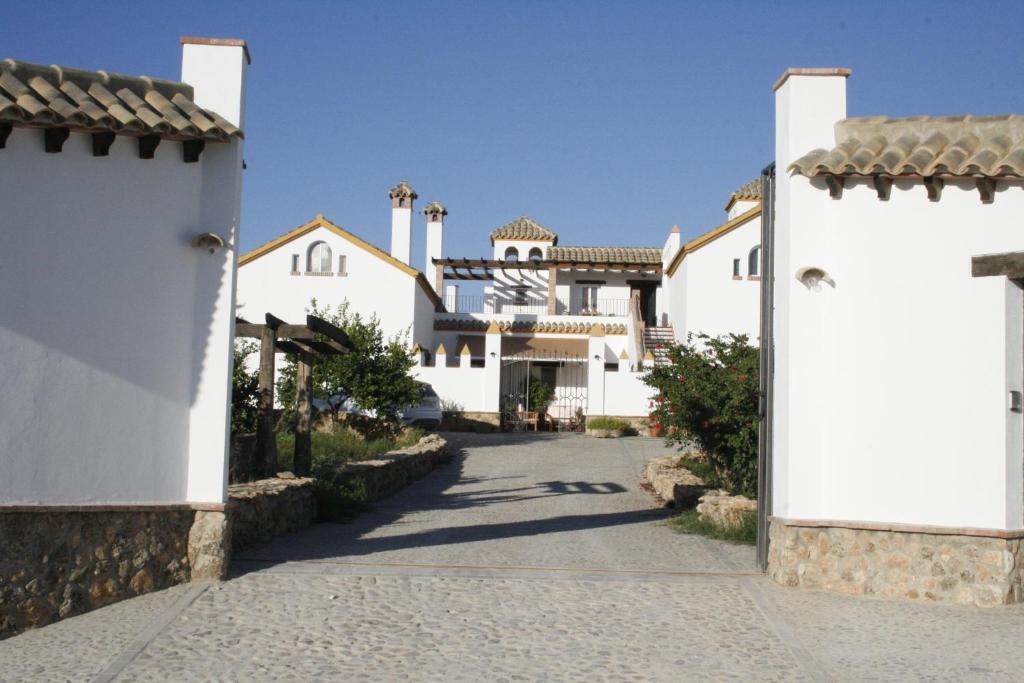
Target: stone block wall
(911, 565)
(389, 473)
(58, 562)
(261, 510)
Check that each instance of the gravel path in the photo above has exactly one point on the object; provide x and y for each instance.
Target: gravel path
(526, 558)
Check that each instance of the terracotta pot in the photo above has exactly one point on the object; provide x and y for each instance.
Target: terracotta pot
(655, 431)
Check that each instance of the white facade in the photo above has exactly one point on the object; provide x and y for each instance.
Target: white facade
(115, 332)
(713, 284)
(892, 380)
(323, 261)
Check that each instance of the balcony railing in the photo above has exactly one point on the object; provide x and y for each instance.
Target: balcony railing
(496, 303)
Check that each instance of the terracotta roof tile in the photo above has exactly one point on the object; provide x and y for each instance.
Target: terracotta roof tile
(624, 255)
(983, 146)
(748, 192)
(98, 101)
(524, 228)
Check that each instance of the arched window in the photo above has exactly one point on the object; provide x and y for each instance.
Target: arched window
(536, 254)
(511, 254)
(319, 260)
(754, 261)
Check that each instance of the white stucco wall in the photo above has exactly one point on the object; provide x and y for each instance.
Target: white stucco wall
(113, 329)
(705, 298)
(891, 387)
(372, 286)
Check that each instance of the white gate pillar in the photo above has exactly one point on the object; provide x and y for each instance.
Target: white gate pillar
(492, 368)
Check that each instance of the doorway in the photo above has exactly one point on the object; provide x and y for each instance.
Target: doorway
(648, 300)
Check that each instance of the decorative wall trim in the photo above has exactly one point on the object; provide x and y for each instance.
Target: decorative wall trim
(901, 528)
(526, 327)
(115, 507)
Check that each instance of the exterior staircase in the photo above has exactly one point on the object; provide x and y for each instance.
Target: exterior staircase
(656, 340)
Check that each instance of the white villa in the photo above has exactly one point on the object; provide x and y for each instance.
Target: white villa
(586, 320)
(895, 423)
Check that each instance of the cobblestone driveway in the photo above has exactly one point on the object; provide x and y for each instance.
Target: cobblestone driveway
(526, 558)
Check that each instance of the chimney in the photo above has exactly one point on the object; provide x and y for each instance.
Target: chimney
(402, 197)
(808, 103)
(435, 213)
(216, 70)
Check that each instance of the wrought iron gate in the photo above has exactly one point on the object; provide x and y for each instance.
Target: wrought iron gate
(566, 374)
(767, 364)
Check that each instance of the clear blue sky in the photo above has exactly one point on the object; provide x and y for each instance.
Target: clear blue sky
(608, 122)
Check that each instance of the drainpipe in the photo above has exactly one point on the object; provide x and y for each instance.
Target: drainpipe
(766, 359)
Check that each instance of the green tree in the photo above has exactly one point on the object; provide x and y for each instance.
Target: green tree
(244, 390)
(375, 375)
(708, 393)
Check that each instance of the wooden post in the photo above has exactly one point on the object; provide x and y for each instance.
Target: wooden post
(304, 398)
(266, 446)
(439, 284)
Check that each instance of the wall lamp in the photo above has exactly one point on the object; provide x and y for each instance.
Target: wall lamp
(208, 240)
(811, 277)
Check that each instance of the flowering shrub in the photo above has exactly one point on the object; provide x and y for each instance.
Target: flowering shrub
(708, 394)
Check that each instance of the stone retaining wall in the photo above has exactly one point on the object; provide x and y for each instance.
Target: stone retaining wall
(262, 510)
(675, 485)
(389, 473)
(960, 569)
(725, 510)
(57, 563)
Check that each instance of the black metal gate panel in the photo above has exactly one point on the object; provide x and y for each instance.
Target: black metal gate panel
(767, 364)
(566, 374)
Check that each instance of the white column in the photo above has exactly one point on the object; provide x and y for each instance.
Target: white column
(595, 371)
(492, 369)
(808, 103)
(217, 72)
(465, 358)
(401, 232)
(624, 361)
(440, 357)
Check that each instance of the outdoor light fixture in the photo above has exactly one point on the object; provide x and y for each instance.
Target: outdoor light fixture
(811, 277)
(208, 240)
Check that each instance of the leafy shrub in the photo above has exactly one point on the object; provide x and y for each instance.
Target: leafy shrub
(244, 390)
(611, 423)
(708, 394)
(375, 375)
(342, 445)
(451, 409)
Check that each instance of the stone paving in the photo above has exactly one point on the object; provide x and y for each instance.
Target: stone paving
(526, 558)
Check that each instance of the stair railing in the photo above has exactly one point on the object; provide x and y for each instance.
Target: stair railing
(638, 326)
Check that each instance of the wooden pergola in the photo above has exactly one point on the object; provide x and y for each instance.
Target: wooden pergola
(316, 337)
(484, 269)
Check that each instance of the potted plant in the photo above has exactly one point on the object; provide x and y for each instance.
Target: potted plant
(654, 428)
(540, 396)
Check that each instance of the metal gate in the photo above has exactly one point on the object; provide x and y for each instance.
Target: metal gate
(566, 374)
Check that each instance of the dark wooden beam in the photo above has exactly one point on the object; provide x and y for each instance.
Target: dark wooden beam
(148, 145)
(303, 458)
(987, 189)
(191, 149)
(266, 444)
(249, 330)
(1010, 264)
(835, 185)
(5, 132)
(288, 346)
(883, 185)
(933, 184)
(273, 322)
(101, 143)
(332, 332)
(54, 138)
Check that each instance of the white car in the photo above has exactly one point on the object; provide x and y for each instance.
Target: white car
(426, 415)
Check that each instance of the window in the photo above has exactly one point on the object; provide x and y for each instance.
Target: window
(319, 258)
(342, 265)
(754, 261)
(295, 263)
(589, 299)
(536, 254)
(511, 254)
(736, 272)
(520, 296)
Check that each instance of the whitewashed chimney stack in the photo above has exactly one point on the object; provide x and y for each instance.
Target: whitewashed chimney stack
(402, 197)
